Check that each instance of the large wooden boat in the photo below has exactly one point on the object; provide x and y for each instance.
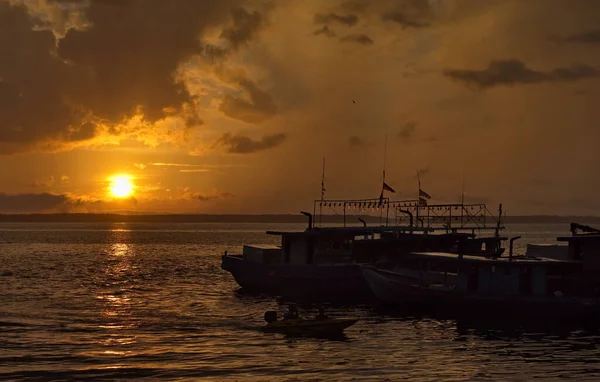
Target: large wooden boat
(323, 263)
(513, 285)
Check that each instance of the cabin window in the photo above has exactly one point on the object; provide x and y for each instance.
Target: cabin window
(484, 246)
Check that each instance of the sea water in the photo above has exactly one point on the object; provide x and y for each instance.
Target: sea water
(149, 301)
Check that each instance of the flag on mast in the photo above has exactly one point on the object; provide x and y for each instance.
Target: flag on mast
(386, 187)
(423, 194)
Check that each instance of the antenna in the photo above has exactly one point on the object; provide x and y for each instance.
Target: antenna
(462, 196)
(385, 153)
(323, 181)
(383, 180)
(322, 194)
(418, 193)
(384, 159)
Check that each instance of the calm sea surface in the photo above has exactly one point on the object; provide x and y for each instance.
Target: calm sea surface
(149, 301)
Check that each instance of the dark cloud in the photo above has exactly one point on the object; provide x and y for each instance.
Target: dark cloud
(208, 197)
(348, 20)
(588, 37)
(244, 28)
(358, 39)
(514, 72)
(257, 107)
(124, 60)
(29, 203)
(356, 141)
(240, 144)
(325, 31)
(405, 20)
(407, 131)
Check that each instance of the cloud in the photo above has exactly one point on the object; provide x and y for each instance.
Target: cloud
(139, 166)
(325, 31)
(193, 170)
(162, 164)
(326, 18)
(29, 203)
(245, 26)
(46, 182)
(240, 144)
(587, 37)
(203, 197)
(362, 39)
(407, 131)
(404, 20)
(257, 107)
(514, 72)
(112, 62)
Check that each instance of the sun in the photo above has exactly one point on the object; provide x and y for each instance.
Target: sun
(121, 186)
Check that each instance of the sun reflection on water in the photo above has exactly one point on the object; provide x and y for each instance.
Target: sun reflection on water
(119, 281)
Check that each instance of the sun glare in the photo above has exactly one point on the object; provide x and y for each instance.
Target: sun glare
(121, 186)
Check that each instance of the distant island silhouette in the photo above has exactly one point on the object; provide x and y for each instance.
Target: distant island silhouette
(264, 218)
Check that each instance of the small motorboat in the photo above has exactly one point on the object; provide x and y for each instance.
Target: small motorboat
(320, 325)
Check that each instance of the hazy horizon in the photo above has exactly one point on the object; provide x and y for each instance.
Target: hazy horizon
(259, 218)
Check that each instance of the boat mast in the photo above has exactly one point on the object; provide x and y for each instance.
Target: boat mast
(322, 194)
(383, 182)
(462, 195)
(418, 194)
(462, 201)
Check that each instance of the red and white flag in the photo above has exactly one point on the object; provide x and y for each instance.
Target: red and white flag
(388, 188)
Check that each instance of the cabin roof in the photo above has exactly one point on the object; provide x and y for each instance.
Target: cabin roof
(590, 237)
(497, 260)
(262, 246)
(349, 231)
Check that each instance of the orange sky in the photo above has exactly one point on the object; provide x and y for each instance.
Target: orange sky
(229, 106)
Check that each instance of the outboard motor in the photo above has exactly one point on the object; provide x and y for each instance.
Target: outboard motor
(271, 316)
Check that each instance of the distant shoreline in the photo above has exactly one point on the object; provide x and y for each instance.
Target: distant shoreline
(265, 218)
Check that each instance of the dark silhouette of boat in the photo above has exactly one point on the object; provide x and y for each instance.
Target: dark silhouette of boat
(511, 285)
(323, 263)
(297, 326)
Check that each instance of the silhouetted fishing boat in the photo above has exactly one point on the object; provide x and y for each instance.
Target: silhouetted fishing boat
(320, 325)
(514, 285)
(323, 263)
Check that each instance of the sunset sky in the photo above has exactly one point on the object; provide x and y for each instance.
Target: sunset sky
(229, 106)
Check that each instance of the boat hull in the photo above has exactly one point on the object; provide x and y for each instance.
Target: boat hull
(397, 292)
(339, 283)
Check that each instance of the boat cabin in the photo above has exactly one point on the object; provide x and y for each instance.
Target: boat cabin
(502, 276)
(320, 246)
